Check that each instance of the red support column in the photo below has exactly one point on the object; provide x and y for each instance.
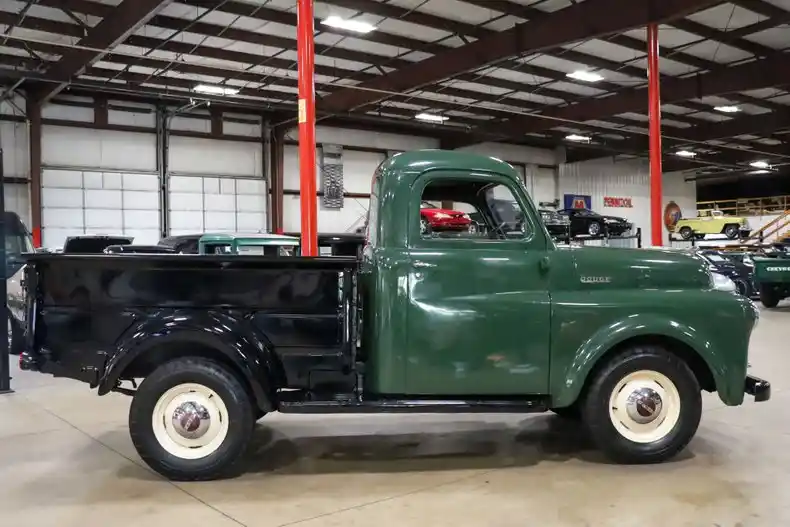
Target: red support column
(654, 114)
(307, 156)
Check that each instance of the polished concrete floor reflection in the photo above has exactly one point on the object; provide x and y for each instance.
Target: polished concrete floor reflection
(66, 460)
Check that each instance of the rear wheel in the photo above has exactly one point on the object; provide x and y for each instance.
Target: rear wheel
(731, 231)
(686, 233)
(594, 229)
(769, 296)
(643, 406)
(192, 420)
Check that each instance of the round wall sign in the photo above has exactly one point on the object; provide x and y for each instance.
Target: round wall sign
(672, 214)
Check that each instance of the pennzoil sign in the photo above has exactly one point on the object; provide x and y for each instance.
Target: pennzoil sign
(626, 203)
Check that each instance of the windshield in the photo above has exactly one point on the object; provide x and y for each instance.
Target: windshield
(715, 257)
(17, 242)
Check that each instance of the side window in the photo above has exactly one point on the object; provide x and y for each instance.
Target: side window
(470, 209)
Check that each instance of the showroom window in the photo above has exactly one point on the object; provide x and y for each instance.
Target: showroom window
(470, 209)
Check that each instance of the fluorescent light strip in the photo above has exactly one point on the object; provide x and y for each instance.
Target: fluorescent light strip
(760, 164)
(727, 109)
(431, 118)
(215, 90)
(586, 76)
(357, 26)
(578, 138)
(686, 153)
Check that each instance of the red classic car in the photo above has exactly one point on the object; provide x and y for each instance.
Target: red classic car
(443, 219)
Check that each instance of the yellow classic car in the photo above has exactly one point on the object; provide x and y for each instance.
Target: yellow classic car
(712, 222)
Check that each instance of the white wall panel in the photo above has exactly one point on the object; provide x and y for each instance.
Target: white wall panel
(63, 146)
(16, 156)
(347, 219)
(540, 183)
(214, 204)
(358, 169)
(213, 157)
(364, 138)
(17, 199)
(599, 178)
(90, 202)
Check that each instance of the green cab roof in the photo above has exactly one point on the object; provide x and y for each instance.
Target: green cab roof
(250, 239)
(422, 160)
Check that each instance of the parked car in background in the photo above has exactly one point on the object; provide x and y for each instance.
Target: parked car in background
(712, 222)
(438, 219)
(93, 243)
(138, 249)
(739, 272)
(341, 244)
(557, 224)
(585, 221)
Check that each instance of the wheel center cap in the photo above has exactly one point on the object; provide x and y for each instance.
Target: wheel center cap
(644, 405)
(191, 420)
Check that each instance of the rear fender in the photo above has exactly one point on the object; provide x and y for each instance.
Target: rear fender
(232, 337)
(568, 384)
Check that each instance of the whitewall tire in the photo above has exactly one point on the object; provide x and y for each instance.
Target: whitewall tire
(192, 419)
(643, 405)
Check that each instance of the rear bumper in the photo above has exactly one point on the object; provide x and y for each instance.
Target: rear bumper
(760, 389)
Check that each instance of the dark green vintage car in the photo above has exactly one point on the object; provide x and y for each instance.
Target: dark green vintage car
(498, 319)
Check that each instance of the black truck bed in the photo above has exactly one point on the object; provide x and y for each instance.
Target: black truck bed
(92, 313)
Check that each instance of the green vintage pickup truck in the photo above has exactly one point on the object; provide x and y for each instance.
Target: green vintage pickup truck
(491, 320)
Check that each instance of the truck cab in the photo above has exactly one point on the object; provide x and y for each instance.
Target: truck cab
(497, 319)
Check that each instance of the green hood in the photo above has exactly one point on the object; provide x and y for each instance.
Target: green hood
(639, 268)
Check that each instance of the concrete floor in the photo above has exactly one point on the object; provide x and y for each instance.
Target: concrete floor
(66, 460)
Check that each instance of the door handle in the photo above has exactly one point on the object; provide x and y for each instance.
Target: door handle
(421, 265)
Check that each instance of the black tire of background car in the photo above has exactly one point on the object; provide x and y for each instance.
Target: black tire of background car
(699, 236)
(741, 286)
(594, 229)
(425, 227)
(769, 297)
(686, 233)
(226, 460)
(731, 231)
(595, 407)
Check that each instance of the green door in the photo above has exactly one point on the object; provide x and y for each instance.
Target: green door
(478, 303)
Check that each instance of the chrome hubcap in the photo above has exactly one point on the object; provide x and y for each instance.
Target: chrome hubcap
(643, 405)
(191, 420)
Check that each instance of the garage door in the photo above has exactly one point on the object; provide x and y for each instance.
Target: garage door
(93, 202)
(216, 204)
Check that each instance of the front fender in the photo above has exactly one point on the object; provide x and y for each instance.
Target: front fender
(230, 335)
(567, 383)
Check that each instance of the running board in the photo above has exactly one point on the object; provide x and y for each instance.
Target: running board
(538, 404)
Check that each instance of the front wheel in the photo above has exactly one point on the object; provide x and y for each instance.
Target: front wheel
(594, 229)
(192, 420)
(731, 231)
(643, 406)
(769, 297)
(686, 233)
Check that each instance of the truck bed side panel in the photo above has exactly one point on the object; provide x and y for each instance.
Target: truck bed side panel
(88, 303)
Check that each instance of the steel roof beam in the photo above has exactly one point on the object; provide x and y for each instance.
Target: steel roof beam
(123, 20)
(577, 22)
(764, 73)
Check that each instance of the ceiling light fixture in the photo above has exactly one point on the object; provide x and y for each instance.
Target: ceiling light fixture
(761, 172)
(357, 26)
(760, 164)
(431, 118)
(578, 138)
(727, 109)
(686, 153)
(586, 76)
(215, 90)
